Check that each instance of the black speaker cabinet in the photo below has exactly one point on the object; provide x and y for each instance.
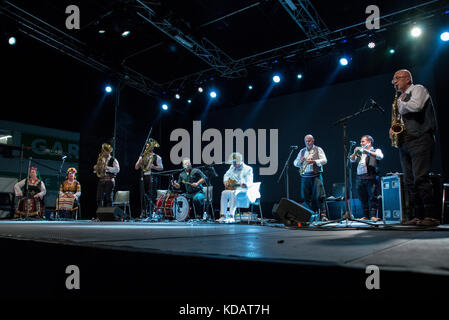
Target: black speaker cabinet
(110, 214)
(291, 212)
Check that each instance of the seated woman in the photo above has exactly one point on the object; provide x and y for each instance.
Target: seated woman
(31, 202)
(69, 193)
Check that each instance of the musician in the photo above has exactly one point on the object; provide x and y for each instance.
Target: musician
(367, 176)
(32, 203)
(150, 161)
(192, 180)
(236, 181)
(69, 192)
(107, 168)
(311, 160)
(416, 146)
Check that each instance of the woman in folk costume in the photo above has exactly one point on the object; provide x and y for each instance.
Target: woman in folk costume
(69, 193)
(31, 191)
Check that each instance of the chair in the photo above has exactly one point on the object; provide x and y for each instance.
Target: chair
(208, 191)
(255, 189)
(121, 199)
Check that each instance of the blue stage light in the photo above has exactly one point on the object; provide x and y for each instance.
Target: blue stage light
(126, 33)
(108, 89)
(250, 87)
(164, 107)
(344, 61)
(416, 32)
(12, 41)
(444, 36)
(213, 94)
(299, 76)
(392, 51)
(276, 79)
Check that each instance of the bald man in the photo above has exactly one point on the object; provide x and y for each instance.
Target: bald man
(310, 161)
(416, 147)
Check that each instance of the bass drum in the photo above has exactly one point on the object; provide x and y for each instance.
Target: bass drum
(173, 207)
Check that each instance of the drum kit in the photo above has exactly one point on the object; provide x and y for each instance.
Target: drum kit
(172, 206)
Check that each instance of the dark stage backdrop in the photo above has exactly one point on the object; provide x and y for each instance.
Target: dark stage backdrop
(315, 112)
(294, 116)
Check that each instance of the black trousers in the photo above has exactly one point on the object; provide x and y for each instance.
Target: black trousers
(150, 184)
(105, 193)
(416, 161)
(368, 192)
(313, 194)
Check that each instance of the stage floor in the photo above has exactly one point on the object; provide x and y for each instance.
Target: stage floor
(404, 249)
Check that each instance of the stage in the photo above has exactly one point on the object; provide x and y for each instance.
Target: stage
(211, 262)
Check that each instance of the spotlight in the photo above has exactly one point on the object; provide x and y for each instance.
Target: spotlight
(108, 89)
(371, 45)
(177, 96)
(416, 32)
(391, 51)
(189, 101)
(125, 33)
(164, 107)
(344, 61)
(299, 76)
(276, 79)
(213, 94)
(200, 89)
(12, 41)
(444, 36)
(250, 87)
(101, 31)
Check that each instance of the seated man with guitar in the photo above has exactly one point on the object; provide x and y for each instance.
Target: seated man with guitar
(192, 179)
(236, 180)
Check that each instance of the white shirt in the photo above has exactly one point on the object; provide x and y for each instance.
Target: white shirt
(19, 185)
(416, 97)
(243, 174)
(158, 163)
(308, 154)
(361, 167)
(115, 166)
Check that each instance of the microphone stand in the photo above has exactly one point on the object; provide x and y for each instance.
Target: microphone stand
(59, 184)
(285, 169)
(143, 203)
(26, 190)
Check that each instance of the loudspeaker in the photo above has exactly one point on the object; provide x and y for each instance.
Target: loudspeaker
(110, 214)
(291, 212)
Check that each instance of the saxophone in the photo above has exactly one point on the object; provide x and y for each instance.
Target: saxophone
(304, 164)
(100, 170)
(397, 127)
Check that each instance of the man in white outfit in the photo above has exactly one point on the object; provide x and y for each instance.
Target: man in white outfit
(237, 180)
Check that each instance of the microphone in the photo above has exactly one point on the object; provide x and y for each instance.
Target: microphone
(64, 157)
(293, 147)
(375, 105)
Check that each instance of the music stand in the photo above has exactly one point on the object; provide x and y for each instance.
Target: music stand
(347, 216)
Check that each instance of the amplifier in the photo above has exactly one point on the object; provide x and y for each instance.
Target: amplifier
(393, 199)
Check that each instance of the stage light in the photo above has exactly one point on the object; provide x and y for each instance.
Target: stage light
(276, 79)
(299, 76)
(416, 32)
(164, 107)
(250, 87)
(125, 33)
(213, 94)
(344, 61)
(444, 36)
(371, 45)
(177, 96)
(391, 51)
(101, 31)
(189, 101)
(108, 89)
(12, 41)
(200, 89)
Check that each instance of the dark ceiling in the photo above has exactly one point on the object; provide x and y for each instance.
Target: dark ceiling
(248, 34)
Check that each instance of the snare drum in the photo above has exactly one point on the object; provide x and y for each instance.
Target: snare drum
(173, 206)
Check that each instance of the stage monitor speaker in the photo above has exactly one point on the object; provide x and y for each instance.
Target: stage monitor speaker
(291, 212)
(110, 214)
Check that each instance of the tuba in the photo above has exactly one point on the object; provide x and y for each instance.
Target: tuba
(100, 170)
(397, 127)
(148, 156)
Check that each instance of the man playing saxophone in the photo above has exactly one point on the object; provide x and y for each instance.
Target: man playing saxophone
(107, 168)
(416, 146)
(310, 161)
